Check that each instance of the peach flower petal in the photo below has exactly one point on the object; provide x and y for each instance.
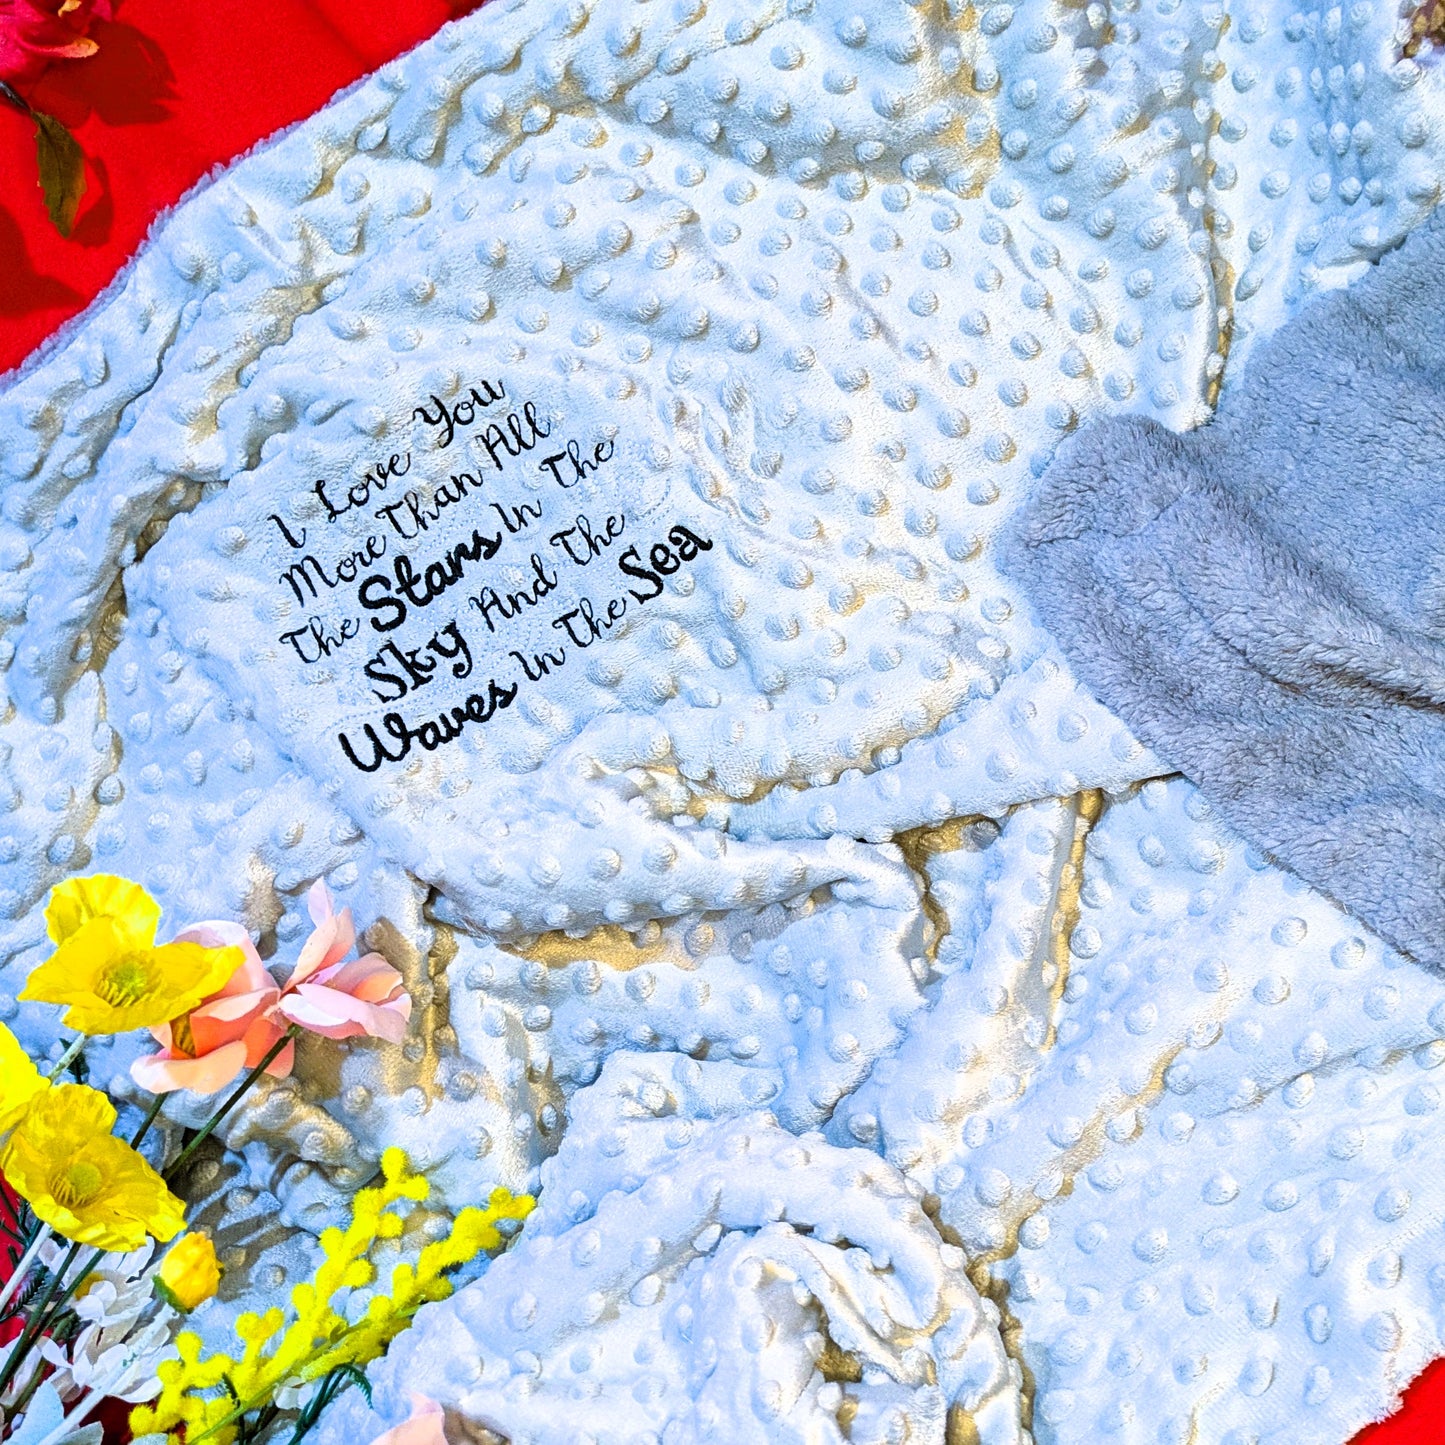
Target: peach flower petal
(371, 978)
(424, 1426)
(223, 1009)
(339, 998)
(232, 1030)
(337, 1015)
(333, 937)
(164, 1072)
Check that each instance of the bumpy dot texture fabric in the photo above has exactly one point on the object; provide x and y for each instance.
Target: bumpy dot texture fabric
(1184, 1109)
(827, 283)
(698, 1272)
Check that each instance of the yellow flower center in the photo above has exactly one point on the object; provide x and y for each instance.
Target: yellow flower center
(125, 980)
(79, 1183)
(183, 1041)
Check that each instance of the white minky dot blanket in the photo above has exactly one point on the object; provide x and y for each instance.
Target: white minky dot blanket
(551, 495)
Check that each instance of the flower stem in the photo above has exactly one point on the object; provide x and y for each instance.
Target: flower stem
(33, 1325)
(9, 93)
(150, 1118)
(23, 1267)
(272, 1054)
(75, 1045)
(47, 1309)
(57, 1295)
(22, 1400)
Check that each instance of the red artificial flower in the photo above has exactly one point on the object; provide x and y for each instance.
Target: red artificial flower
(33, 33)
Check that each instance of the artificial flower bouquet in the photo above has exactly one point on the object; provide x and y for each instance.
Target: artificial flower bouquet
(91, 1309)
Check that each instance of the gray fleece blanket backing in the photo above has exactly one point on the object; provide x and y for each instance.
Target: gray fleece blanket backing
(1263, 600)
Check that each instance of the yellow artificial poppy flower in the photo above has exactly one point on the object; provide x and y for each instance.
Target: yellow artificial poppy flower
(81, 1180)
(108, 968)
(20, 1080)
(79, 901)
(190, 1273)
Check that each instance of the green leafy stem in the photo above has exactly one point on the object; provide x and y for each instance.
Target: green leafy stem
(334, 1382)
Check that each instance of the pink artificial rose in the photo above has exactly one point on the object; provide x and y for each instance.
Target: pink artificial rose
(236, 1028)
(422, 1427)
(338, 999)
(35, 32)
(230, 1031)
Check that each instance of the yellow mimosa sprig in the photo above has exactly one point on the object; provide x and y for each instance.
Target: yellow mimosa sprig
(225, 1399)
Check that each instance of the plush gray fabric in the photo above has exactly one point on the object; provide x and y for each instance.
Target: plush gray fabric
(1263, 600)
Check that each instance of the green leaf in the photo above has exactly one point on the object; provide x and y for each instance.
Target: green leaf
(336, 1381)
(358, 1378)
(62, 170)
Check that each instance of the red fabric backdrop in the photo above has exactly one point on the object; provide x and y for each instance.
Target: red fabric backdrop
(179, 87)
(176, 88)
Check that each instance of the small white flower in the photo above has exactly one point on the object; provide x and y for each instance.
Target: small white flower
(125, 1330)
(295, 1396)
